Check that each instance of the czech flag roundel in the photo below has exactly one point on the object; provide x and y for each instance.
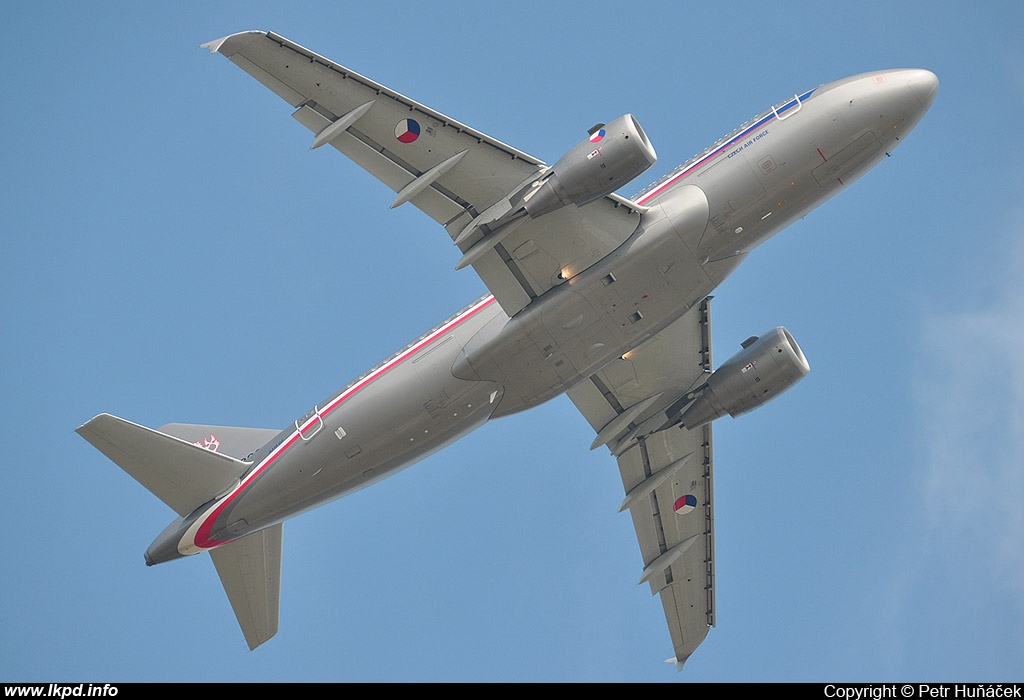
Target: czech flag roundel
(597, 136)
(407, 130)
(684, 504)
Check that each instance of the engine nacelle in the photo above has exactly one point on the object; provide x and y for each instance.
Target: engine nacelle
(763, 369)
(613, 155)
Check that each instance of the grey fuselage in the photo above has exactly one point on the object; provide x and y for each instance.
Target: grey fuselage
(701, 221)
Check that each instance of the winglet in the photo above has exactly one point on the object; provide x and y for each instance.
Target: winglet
(677, 662)
(214, 46)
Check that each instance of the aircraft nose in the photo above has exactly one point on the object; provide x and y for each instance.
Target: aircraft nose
(925, 85)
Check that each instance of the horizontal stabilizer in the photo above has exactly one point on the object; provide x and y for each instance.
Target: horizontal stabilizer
(250, 571)
(181, 474)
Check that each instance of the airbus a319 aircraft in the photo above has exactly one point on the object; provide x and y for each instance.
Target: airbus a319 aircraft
(591, 294)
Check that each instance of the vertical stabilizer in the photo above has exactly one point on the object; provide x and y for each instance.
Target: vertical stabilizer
(250, 571)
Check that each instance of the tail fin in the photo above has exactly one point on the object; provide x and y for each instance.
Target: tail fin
(183, 466)
(250, 571)
(239, 443)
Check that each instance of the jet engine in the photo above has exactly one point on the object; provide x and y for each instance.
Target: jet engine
(610, 157)
(763, 369)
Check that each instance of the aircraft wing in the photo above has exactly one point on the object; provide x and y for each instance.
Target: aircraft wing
(667, 474)
(458, 176)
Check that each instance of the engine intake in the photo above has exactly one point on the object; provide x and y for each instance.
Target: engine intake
(613, 155)
(763, 369)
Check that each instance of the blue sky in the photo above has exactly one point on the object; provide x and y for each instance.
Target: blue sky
(173, 252)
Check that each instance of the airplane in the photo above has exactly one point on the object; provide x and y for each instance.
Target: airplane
(591, 294)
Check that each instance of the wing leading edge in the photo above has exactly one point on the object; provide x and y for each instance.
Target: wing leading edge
(667, 474)
(460, 177)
